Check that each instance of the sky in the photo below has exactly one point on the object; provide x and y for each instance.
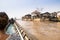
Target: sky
(18, 8)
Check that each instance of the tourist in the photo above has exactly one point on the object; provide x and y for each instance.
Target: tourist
(3, 23)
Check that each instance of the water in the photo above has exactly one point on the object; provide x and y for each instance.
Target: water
(38, 30)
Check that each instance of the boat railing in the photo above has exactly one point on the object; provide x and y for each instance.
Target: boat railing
(19, 30)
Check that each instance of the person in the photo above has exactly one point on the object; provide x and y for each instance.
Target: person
(3, 22)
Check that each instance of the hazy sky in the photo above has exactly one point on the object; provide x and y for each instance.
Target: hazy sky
(18, 8)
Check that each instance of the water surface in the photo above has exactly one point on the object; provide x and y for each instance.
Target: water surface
(41, 30)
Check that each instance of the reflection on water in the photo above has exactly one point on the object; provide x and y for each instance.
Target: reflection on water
(42, 30)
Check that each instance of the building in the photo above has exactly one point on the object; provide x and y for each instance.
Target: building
(45, 16)
(26, 17)
(35, 14)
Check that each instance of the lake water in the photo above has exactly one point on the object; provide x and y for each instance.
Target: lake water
(38, 30)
